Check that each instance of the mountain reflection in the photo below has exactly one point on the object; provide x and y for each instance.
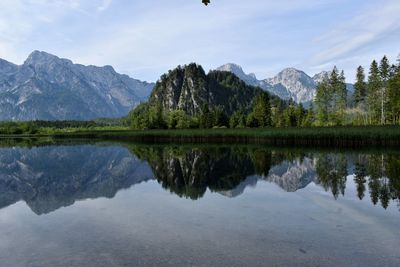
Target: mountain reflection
(48, 178)
(188, 172)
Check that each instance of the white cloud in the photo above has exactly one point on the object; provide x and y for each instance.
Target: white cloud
(372, 25)
(146, 38)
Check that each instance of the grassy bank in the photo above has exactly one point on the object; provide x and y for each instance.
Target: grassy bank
(316, 136)
(324, 136)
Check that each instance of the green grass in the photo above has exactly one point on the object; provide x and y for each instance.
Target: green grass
(324, 136)
(319, 136)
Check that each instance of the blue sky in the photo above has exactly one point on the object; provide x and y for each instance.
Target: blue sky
(145, 38)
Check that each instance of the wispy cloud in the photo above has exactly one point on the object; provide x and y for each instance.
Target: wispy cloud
(146, 38)
(371, 25)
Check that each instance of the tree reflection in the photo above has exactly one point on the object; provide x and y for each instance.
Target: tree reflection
(384, 178)
(331, 172)
(55, 176)
(360, 173)
(189, 172)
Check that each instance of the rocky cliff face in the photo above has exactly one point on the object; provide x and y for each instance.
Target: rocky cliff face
(188, 88)
(46, 87)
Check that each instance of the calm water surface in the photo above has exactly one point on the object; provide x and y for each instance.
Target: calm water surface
(132, 205)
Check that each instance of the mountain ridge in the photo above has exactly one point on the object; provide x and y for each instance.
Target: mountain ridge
(46, 87)
(290, 83)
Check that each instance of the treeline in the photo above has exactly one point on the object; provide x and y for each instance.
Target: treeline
(376, 98)
(35, 127)
(376, 101)
(265, 112)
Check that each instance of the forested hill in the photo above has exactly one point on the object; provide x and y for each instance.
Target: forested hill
(190, 89)
(187, 97)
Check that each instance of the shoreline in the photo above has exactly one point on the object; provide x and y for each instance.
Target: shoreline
(351, 137)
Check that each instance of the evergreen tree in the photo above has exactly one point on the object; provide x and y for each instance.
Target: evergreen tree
(341, 99)
(290, 117)
(237, 120)
(374, 85)
(384, 71)
(300, 115)
(220, 117)
(309, 117)
(262, 110)
(394, 98)
(206, 119)
(331, 99)
(360, 88)
(322, 101)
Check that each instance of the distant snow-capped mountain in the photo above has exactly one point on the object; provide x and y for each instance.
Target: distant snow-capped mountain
(290, 83)
(47, 87)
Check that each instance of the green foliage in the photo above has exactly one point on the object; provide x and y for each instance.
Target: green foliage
(384, 72)
(331, 99)
(178, 119)
(322, 102)
(360, 88)
(238, 120)
(14, 128)
(261, 114)
(374, 85)
(145, 116)
(394, 99)
(207, 119)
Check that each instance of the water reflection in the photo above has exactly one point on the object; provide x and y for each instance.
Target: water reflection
(51, 177)
(48, 178)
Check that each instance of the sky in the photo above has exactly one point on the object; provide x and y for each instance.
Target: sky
(144, 38)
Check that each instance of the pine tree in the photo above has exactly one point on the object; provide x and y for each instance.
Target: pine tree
(341, 99)
(334, 84)
(322, 101)
(360, 88)
(384, 72)
(262, 110)
(394, 97)
(374, 85)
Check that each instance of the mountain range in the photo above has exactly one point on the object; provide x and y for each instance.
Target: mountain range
(47, 87)
(290, 83)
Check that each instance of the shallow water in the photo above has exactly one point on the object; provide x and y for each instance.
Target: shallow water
(115, 204)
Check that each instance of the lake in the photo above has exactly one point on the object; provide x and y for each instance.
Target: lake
(125, 204)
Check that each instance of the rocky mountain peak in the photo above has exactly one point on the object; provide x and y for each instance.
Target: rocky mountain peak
(42, 58)
(292, 72)
(7, 67)
(319, 77)
(236, 69)
(47, 87)
(231, 67)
